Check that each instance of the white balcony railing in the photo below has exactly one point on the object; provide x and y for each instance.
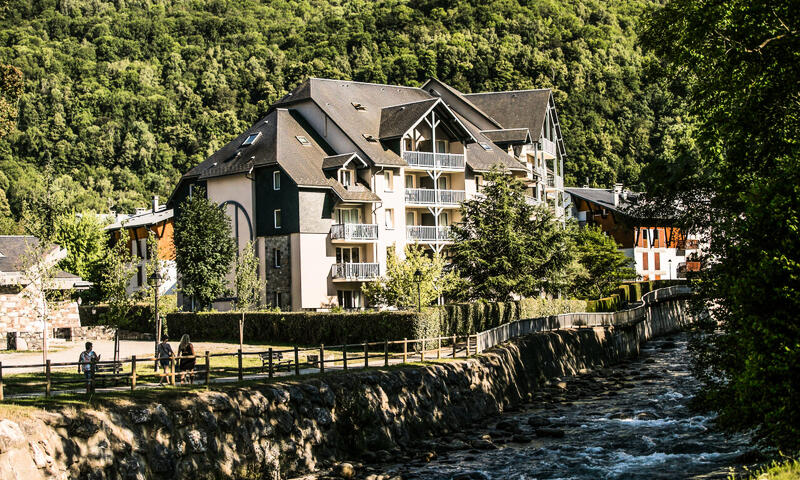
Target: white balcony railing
(454, 161)
(548, 146)
(354, 231)
(355, 271)
(418, 233)
(429, 196)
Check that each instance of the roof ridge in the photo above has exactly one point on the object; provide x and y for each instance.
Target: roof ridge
(365, 83)
(409, 103)
(511, 91)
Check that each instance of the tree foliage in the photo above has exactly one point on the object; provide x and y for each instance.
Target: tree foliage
(117, 271)
(398, 288)
(741, 61)
(248, 285)
(204, 249)
(603, 265)
(126, 96)
(505, 246)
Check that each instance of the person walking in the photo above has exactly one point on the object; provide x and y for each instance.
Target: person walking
(86, 361)
(163, 354)
(187, 359)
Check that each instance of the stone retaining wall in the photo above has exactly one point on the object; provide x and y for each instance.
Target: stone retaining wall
(284, 429)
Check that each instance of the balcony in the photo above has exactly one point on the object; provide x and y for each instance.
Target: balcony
(554, 182)
(429, 196)
(434, 161)
(354, 232)
(548, 147)
(418, 233)
(355, 272)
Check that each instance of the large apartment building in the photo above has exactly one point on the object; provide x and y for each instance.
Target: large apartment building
(338, 173)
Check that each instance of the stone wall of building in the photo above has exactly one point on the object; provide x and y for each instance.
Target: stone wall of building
(278, 277)
(19, 316)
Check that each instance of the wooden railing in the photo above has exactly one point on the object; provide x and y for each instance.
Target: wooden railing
(295, 361)
(419, 233)
(355, 271)
(354, 231)
(430, 196)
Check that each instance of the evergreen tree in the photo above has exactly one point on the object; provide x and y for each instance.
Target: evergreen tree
(248, 285)
(204, 249)
(505, 246)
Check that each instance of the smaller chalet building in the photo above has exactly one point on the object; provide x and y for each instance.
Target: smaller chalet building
(659, 252)
(158, 221)
(19, 318)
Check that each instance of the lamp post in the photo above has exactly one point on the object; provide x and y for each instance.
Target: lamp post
(418, 280)
(155, 281)
(669, 262)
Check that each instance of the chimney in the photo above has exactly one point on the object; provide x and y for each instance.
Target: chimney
(617, 192)
(155, 203)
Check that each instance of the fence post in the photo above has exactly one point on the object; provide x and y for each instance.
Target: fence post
(454, 346)
(438, 348)
(386, 353)
(171, 378)
(405, 350)
(239, 358)
(296, 361)
(48, 386)
(366, 355)
(269, 364)
(322, 358)
(93, 371)
(344, 357)
(1, 380)
(208, 368)
(133, 372)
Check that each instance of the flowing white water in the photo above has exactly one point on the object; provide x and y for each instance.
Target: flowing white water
(629, 422)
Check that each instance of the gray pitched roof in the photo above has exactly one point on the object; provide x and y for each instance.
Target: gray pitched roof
(509, 135)
(13, 248)
(397, 119)
(604, 197)
(515, 109)
(353, 193)
(481, 160)
(338, 161)
(143, 220)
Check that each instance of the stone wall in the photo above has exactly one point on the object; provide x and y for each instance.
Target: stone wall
(279, 279)
(18, 316)
(284, 429)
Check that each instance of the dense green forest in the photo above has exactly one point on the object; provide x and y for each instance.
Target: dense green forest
(122, 97)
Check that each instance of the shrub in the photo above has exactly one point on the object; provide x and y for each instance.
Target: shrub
(140, 318)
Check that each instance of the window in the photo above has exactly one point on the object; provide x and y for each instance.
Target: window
(276, 257)
(348, 215)
(442, 181)
(388, 177)
(276, 180)
(139, 276)
(346, 177)
(276, 299)
(442, 146)
(390, 218)
(276, 218)
(644, 238)
(303, 140)
(645, 262)
(251, 139)
(444, 219)
(348, 255)
(656, 241)
(408, 145)
(656, 261)
(479, 182)
(409, 181)
(409, 218)
(348, 299)
(486, 146)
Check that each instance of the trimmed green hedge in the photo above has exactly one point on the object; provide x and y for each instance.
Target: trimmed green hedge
(627, 293)
(141, 317)
(304, 328)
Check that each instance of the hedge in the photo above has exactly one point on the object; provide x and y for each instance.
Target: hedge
(141, 317)
(627, 293)
(304, 328)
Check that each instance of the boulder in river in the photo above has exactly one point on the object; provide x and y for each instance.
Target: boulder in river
(549, 432)
(535, 421)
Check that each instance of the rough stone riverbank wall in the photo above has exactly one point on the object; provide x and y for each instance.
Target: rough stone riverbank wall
(283, 429)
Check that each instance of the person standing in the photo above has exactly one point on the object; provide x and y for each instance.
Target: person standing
(163, 354)
(187, 358)
(86, 362)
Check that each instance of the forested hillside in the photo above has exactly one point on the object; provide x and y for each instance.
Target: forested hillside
(122, 97)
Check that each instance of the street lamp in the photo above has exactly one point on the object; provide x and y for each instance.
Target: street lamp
(154, 281)
(418, 280)
(669, 262)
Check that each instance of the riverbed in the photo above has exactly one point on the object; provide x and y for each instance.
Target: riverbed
(632, 421)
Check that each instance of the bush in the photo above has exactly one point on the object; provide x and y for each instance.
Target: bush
(141, 317)
(627, 293)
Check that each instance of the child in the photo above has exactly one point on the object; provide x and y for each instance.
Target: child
(164, 353)
(85, 361)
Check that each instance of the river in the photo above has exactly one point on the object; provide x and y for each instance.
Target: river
(632, 421)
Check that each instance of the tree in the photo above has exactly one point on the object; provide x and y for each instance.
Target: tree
(505, 246)
(204, 249)
(86, 243)
(604, 265)
(10, 92)
(118, 269)
(38, 267)
(397, 287)
(741, 61)
(248, 285)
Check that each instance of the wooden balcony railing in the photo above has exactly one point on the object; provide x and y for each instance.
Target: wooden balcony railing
(430, 160)
(419, 233)
(429, 196)
(354, 231)
(355, 271)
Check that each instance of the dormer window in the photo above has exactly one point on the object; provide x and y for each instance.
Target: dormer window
(369, 137)
(303, 141)
(485, 146)
(358, 106)
(251, 139)
(346, 177)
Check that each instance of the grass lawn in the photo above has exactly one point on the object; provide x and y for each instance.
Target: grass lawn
(789, 470)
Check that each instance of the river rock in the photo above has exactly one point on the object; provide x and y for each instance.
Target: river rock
(345, 470)
(519, 438)
(550, 432)
(483, 444)
(11, 435)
